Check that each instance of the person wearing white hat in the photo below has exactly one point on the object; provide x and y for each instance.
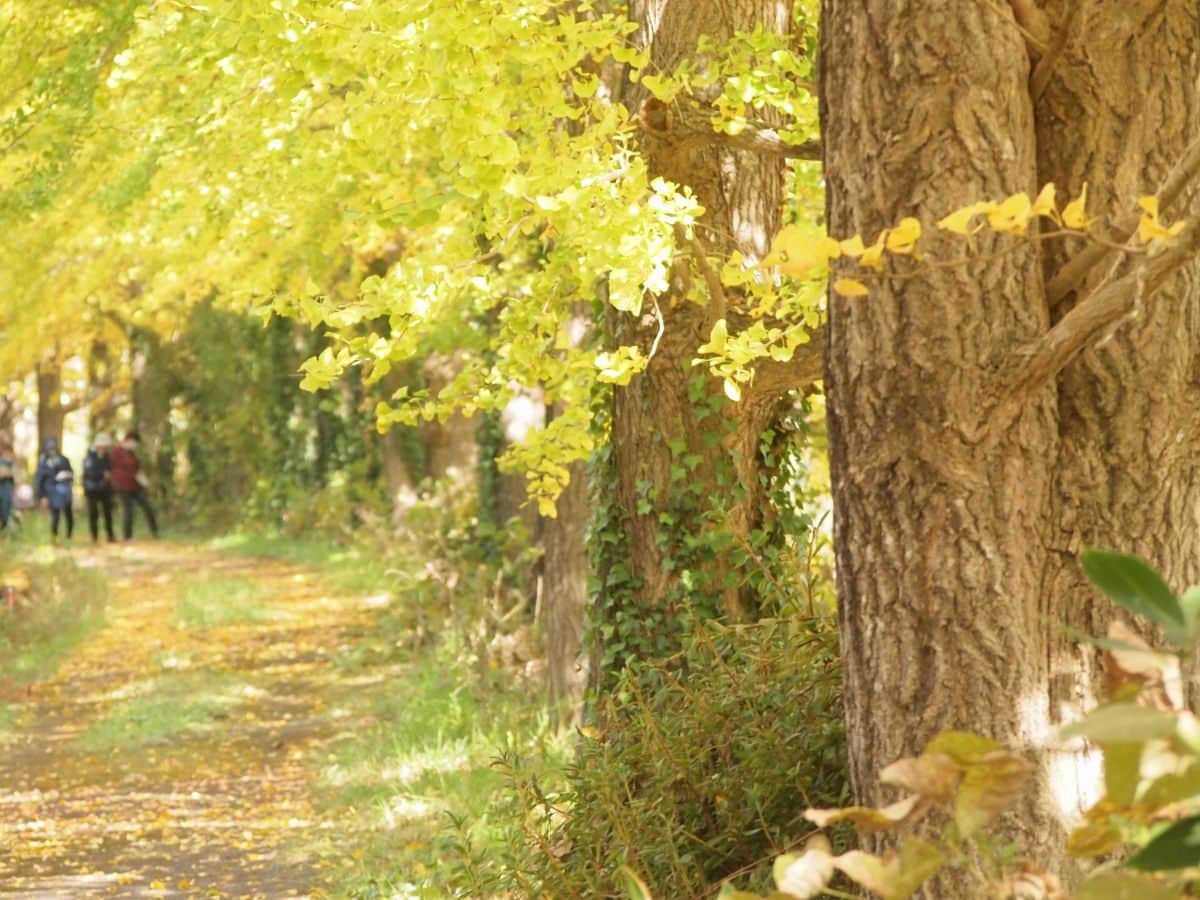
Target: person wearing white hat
(97, 486)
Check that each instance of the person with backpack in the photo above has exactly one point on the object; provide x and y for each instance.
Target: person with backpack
(98, 488)
(125, 472)
(53, 487)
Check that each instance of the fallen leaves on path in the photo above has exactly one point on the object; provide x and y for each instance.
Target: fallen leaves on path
(164, 759)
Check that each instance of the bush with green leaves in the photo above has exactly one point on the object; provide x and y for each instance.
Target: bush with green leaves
(694, 771)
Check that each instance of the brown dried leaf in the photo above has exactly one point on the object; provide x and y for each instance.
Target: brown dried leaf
(933, 776)
(867, 818)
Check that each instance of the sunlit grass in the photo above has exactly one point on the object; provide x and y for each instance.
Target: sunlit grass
(395, 786)
(157, 709)
(349, 568)
(65, 604)
(212, 602)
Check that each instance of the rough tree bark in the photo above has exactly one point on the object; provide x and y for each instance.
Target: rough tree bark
(957, 540)
(1119, 108)
(565, 569)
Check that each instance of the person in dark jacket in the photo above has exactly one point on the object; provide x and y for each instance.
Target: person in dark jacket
(125, 472)
(97, 487)
(53, 486)
(8, 473)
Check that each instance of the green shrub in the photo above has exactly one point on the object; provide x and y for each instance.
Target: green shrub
(693, 773)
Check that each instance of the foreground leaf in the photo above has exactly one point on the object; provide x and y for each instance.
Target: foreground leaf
(989, 788)
(1122, 723)
(1125, 886)
(1131, 583)
(964, 747)
(806, 874)
(1176, 848)
(866, 818)
(934, 776)
(895, 876)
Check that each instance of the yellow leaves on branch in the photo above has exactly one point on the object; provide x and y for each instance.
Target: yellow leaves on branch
(1150, 228)
(848, 287)
(1010, 216)
(800, 252)
(1074, 214)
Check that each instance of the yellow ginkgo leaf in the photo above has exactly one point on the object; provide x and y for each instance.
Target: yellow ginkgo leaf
(872, 257)
(1044, 204)
(1149, 227)
(798, 253)
(732, 390)
(1074, 214)
(848, 287)
(853, 246)
(959, 221)
(903, 237)
(1011, 216)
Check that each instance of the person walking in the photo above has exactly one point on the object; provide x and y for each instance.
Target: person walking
(53, 487)
(125, 472)
(8, 474)
(97, 487)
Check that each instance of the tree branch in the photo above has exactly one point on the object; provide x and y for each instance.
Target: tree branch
(1075, 270)
(1080, 328)
(1045, 66)
(773, 379)
(685, 126)
(716, 291)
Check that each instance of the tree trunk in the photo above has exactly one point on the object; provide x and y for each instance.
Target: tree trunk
(958, 558)
(397, 479)
(671, 475)
(565, 597)
(1118, 111)
(449, 444)
(51, 412)
(100, 387)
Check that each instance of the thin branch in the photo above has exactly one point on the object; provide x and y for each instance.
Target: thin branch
(1083, 326)
(691, 126)
(711, 278)
(768, 141)
(1075, 270)
(1045, 67)
(773, 379)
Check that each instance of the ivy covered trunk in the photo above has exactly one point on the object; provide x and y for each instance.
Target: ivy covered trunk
(958, 553)
(685, 459)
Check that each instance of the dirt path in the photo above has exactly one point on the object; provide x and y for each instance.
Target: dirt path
(93, 802)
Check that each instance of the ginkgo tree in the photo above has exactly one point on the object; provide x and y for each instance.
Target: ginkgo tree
(990, 420)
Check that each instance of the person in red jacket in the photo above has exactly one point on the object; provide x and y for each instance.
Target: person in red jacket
(125, 473)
